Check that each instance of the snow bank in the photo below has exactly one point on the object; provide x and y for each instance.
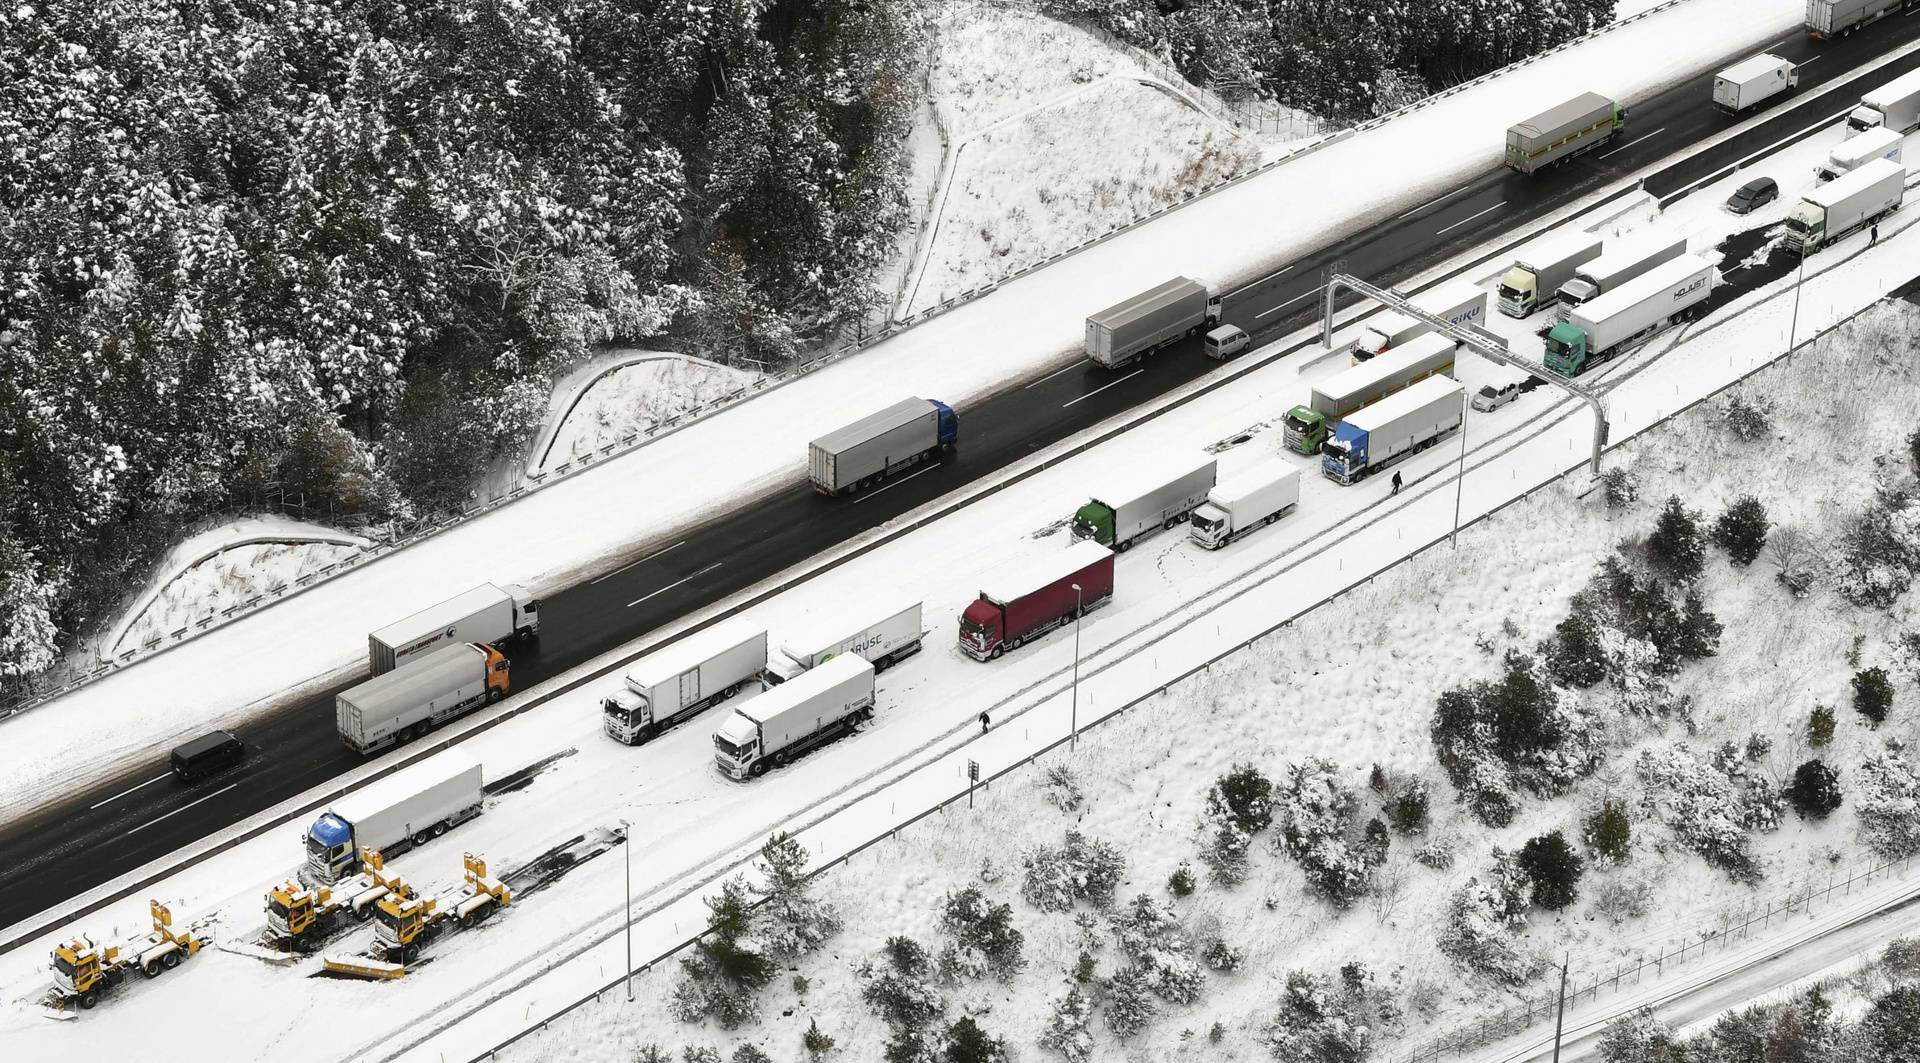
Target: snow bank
(576, 527)
(625, 393)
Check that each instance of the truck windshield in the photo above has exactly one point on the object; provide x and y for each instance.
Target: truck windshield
(61, 966)
(973, 628)
(1299, 424)
(1336, 451)
(730, 750)
(1799, 224)
(1206, 524)
(316, 847)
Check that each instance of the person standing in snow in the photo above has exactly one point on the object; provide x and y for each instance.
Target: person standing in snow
(1873, 235)
(1396, 484)
(984, 723)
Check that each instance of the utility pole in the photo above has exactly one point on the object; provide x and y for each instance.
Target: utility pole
(1560, 1018)
(1793, 330)
(626, 842)
(1460, 477)
(1073, 738)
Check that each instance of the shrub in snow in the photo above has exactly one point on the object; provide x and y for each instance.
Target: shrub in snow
(1793, 555)
(1878, 551)
(897, 989)
(1621, 487)
(651, 1052)
(1242, 797)
(1062, 788)
(1888, 1028)
(750, 1054)
(1639, 1037)
(1677, 549)
(1887, 805)
(1320, 829)
(815, 1041)
(1577, 655)
(1710, 803)
(728, 967)
(1609, 832)
(1621, 899)
(1480, 916)
(1225, 854)
(1913, 451)
(1742, 530)
(792, 922)
(1181, 882)
(1081, 869)
(984, 937)
(701, 1054)
(1553, 868)
(1749, 421)
(1328, 1020)
(1129, 1005)
(1149, 933)
(1815, 790)
(1085, 967)
(908, 1046)
(1820, 726)
(1436, 854)
(1493, 738)
(1872, 693)
(1066, 1030)
(1408, 805)
(1220, 956)
(966, 1042)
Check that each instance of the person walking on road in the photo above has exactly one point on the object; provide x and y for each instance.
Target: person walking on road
(984, 723)
(1396, 484)
(1873, 234)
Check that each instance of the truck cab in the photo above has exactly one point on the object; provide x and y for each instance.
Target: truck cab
(1305, 429)
(1519, 292)
(1806, 227)
(331, 855)
(499, 673)
(625, 714)
(980, 631)
(948, 431)
(1210, 526)
(1344, 457)
(1094, 521)
(736, 747)
(1566, 349)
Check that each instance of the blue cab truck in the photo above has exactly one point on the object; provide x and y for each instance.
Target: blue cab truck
(881, 444)
(1396, 426)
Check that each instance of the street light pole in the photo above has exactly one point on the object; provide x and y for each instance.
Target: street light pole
(1793, 330)
(626, 842)
(1460, 478)
(1073, 740)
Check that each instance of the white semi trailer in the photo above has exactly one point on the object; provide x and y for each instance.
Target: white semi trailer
(1143, 500)
(1392, 429)
(407, 808)
(884, 628)
(685, 678)
(486, 614)
(1624, 263)
(1844, 206)
(1598, 330)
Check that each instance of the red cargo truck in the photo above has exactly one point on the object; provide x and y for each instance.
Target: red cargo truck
(1023, 603)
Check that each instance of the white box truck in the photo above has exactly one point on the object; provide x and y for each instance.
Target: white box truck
(486, 614)
(1753, 81)
(1458, 302)
(884, 628)
(1827, 19)
(1139, 326)
(1542, 267)
(1392, 428)
(1244, 501)
(682, 680)
(794, 717)
(880, 444)
(1844, 206)
(1895, 106)
(1306, 426)
(1626, 261)
(393, 814)
(1606, 326)
(408, 702)
(1157, 495)
(1851, 154)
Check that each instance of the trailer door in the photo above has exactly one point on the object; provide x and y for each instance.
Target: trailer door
(689, 686)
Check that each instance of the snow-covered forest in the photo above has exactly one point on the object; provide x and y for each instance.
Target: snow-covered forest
(328, 257)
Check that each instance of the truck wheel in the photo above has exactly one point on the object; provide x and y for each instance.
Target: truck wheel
(1170, 522)
(1121, 548)
(439, 828)
(757, 769)
(152, 969)
(88, 999)
(728, 693)
(422, 838)
(996, 653)
(171, 959)
(493, 695)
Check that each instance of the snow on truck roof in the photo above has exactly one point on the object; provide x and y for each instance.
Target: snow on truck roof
(1553, 118)
(824, 625)
(1853, 182)
(446, 614)
(1031, 574)
(668, 662)
(821, 677)
(1125, 485)
(1248, 482)
(900, 413)
(1403, 402)
(416, 680)
(1556, 245)
(384, 793)
(1752, 67)
(1153, 298)
(1642, 287)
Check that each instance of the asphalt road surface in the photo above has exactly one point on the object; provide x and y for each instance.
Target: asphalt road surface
(109, 829)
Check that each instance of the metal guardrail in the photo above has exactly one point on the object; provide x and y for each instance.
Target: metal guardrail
(641, 437)
(961, 795)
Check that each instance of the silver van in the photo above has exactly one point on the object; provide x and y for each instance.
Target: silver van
(1226, 341)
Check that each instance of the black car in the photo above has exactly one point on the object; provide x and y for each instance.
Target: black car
(209, 754)
(1753, 195)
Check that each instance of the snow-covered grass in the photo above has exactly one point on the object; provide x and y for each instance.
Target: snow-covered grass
(222, 567)
(645, 391)
(1357, 683)
(1057, 135)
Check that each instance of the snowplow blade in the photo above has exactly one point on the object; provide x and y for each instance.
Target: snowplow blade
(363, 967)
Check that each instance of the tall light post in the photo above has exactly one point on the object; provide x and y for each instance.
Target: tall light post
(1073, 739)
(626, 842)
(1459, 478)
(1793, 329)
